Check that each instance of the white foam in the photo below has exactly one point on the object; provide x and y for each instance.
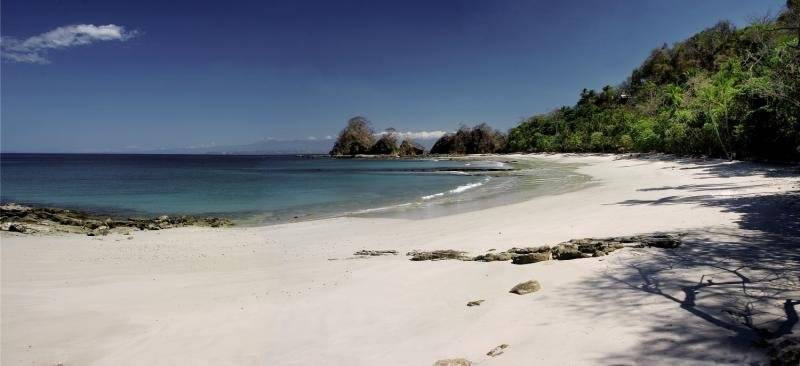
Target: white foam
(456, 190)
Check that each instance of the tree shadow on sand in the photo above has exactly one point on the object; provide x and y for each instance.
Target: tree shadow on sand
(725, 293)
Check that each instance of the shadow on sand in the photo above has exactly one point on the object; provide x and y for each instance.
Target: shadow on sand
(723, 289)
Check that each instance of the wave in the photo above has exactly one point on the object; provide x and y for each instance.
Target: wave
(456, 190)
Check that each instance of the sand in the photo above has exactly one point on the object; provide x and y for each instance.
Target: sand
(293, 294)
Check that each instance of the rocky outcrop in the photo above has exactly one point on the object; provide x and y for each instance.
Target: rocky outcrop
(437, 255)
(374, 253)
(526, 287)
(28, 220)
(585, 248)
(411, 148)
(453, 362)
(530, 254)
(494, 257)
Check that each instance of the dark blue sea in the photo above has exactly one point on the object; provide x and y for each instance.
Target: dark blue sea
(259, 189)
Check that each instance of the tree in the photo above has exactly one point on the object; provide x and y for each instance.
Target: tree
(356, 138)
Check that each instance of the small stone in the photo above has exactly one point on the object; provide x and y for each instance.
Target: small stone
(497, 351)
(475, 303)
(526, 287)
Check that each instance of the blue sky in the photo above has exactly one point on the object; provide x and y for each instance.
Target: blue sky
(187, 73)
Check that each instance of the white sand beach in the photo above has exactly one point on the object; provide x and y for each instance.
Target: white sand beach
(294, 294)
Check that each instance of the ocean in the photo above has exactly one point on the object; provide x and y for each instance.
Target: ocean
(274, 188)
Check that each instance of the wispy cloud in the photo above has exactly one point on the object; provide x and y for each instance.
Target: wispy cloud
(418, 135)
(35, 49)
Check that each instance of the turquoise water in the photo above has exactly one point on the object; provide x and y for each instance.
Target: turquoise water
(256, 189)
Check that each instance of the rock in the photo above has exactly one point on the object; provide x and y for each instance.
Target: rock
(47, 219)
(437, 255)
(530, 250)
(17, 228)
(526, 287)
(100, 231)
(497, 351)
(531, 255)
(566, 251)
(453, 362)
(410, 148)
(375, 252)
(475, 303)
(494, 257)
(663, 241)
(585, 248)
(531, 258)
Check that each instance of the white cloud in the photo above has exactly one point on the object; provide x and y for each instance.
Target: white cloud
(34, 49)
(418, 135)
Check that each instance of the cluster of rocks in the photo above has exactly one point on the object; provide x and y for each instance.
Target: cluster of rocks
(28, 220)
(580, 248)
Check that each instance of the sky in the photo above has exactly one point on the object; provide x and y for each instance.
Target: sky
(88, 76)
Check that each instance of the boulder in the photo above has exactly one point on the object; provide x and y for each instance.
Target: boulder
(494, 257)
(531, 258)
(437, 255)
(453, 362)
(530, 250)
(663, 241)
(526, 287)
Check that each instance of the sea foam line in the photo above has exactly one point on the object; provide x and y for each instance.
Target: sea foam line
(456, 190)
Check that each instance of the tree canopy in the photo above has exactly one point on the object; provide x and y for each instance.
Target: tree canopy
(723, 92)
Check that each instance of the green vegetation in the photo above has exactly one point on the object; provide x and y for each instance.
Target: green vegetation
(723, 92)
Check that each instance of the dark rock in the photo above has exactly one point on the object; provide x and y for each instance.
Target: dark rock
(530, 250)
(437, 255)
(526, 287)
(410, 148)
(497, 351)
(663, 241)
(475, 303)
(61, 220)
(494, 257)
(99, 231)
(375, 252)
(18, 228)
(531, 258)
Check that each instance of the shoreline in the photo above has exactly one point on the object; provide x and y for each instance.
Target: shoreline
(471, 196)
(291, 293)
